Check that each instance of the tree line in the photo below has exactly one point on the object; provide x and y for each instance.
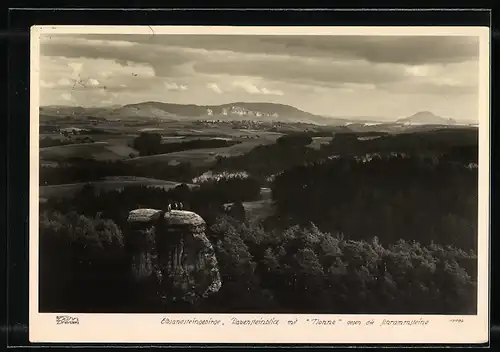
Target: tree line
(88, 170)
(151, 144)
(54, 142)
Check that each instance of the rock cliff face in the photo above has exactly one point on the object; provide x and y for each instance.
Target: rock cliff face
(171, 255)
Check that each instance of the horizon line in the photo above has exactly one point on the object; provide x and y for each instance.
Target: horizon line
(328, 116)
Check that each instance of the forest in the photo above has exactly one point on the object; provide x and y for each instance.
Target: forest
(300, 270)
(397, 197)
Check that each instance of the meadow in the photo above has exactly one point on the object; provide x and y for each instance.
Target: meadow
(98, 150)
(203, 157)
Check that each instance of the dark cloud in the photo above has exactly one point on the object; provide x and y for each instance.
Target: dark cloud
(379, 49)
(355, 59)
(299, 70)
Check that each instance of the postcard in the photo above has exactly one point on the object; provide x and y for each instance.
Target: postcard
(316, 185)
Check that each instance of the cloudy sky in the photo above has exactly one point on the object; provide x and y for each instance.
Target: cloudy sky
(383, 76)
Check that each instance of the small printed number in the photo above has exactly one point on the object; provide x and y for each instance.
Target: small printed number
(65, 319)
(456, 320)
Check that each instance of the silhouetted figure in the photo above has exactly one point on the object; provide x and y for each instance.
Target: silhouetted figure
(181, 206)
(169, 208)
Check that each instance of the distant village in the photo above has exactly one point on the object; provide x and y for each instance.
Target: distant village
(272, 126)
(249, 124)
(239, 111)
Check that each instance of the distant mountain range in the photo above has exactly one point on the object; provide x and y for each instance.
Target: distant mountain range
(225, 112)
(233, 111)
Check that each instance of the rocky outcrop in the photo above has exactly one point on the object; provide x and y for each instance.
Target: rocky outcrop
(141, 240)
(170, 251)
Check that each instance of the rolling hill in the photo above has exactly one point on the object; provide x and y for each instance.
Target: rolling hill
(159, 110)
(62, 111)
(232, 111)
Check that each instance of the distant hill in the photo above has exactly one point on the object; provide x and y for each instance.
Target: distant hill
(55, 112)
(426, 118)
(68, 111)
(232, 111)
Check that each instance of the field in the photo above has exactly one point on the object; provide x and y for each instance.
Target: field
(110, 183)
(259, 210)
(203, 157)
(319, 141)
(96, 150)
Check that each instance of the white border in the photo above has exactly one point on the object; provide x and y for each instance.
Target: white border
(147, 328)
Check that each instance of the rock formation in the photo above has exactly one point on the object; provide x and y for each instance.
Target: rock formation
(171, 255)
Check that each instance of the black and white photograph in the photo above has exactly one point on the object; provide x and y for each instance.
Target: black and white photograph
(229, 173)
